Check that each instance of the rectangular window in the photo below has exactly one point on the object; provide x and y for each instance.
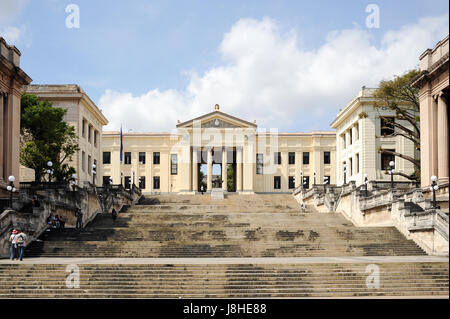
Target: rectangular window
(277, 182)
(127, 182)
(350, 137)
(305, 158)
(173, 164)
(106, 180)
(387, 126)
(95, 138)
(90, 134)
(326, 157)
(291, 158)
(357, 163)
(141, 157)
(385, 159)
(83, 161)
(277, 158)
(106, 157)
(291, 182)
(155, 182)
(83, 128)
(326, 180)
(259, 164)
(156, 158)
(305, 182)
(142, 182)
(127, 157)
(351, 166)
(89, 163)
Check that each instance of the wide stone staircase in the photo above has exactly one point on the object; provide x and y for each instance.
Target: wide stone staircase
(195, 227)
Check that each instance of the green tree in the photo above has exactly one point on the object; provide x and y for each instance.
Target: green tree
(45, 136)
(402, 98)
(230, 178)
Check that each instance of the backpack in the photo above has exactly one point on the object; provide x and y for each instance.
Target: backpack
(20, 240)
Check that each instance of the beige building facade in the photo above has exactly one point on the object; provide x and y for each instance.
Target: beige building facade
(88, 120)
(433, 82)
(12, 78)
(360, 133)
(258, 162)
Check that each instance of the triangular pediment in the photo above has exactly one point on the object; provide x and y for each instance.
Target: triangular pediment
(217, 119)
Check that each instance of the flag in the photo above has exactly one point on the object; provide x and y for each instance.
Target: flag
(121, 145)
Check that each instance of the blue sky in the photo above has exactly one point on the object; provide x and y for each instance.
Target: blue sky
(148, 63)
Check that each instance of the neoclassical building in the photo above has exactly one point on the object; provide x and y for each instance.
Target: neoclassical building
(360, 133)
(433, 82)
(225, 148)
(88, 120)
(12, 78)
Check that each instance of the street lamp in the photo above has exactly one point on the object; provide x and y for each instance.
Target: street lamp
(301, 178)
(74, 183)
(49, 170)
(94, 172)
(366, 181)
(391, 171)
(434, 187)
(345, 173)
(11, 189)
(314, 178)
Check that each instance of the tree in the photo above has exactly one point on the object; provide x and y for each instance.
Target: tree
(45, 136)
(401, 97)
(230, 178)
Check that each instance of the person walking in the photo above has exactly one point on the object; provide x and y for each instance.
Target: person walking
(13, 248)
(114, 214)
(21, 242)
(79, 215)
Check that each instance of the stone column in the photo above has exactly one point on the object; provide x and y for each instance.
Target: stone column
(224, 169)
(238, 169)
(442, 138)
(434, 137)
(195, 169)
(1, 135)
(209, 171)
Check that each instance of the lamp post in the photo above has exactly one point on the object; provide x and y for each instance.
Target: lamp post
(49, 170)
(314, 178)
(301, 179)
(94, 172)
(434, 187)
(121, 178)
(366, 181)
(74, 183)
(345, 173)
(11, 189)
(391, 171)
(133, 178)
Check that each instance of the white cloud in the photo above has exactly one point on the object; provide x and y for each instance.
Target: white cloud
(15, 35)
(9, 11)
(266, 76)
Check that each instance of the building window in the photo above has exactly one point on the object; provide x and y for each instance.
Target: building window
(142, 182)
(89, 164)
(95, 138)
(83, 128)
(259, 164)
(291, 182)
(305, 158)
(306, 182)
(106, 180)
(351, 166)
(387, 126)
(173, 164)
(357, 163)
(106, 157)
(83, 161)
(277, 158)
(141, 157)
(277, 182)
(156, 158)
(326, 157)
(127, 182)
(89, 133)
(385, 159)
(291, 158)
(156, 182)
(326, 180)
(350, 137)
(127, 158)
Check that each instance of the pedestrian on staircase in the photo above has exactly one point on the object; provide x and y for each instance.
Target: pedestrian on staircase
(79, 215)
(21, 242)
(13, 248)
(114, 214)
